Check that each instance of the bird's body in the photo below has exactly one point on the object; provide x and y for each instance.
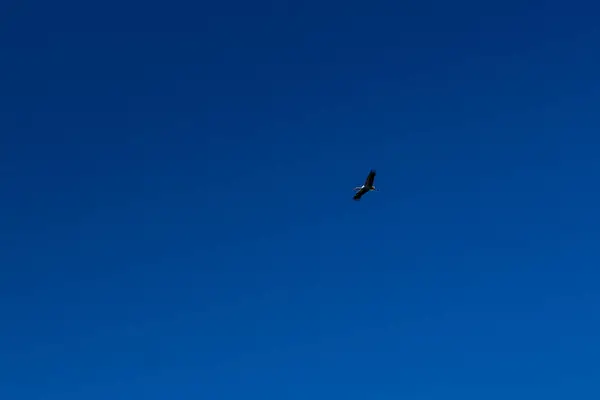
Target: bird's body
(367, 187)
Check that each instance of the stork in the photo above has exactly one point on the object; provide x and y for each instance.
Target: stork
(367, 187)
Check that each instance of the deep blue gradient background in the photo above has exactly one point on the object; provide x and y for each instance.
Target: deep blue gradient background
(176, 214)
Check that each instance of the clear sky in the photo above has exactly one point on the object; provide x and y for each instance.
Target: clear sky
(176, 213)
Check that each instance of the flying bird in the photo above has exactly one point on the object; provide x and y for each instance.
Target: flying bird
(367, 187)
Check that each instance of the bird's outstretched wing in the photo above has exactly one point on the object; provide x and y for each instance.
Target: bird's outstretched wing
(370, 178)
(360, 193)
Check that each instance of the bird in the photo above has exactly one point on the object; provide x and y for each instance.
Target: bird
(367, 187)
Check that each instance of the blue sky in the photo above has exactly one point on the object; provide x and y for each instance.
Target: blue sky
(176, 214)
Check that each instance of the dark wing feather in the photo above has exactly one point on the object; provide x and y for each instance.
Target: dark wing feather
(360, 193)
(370, 178)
